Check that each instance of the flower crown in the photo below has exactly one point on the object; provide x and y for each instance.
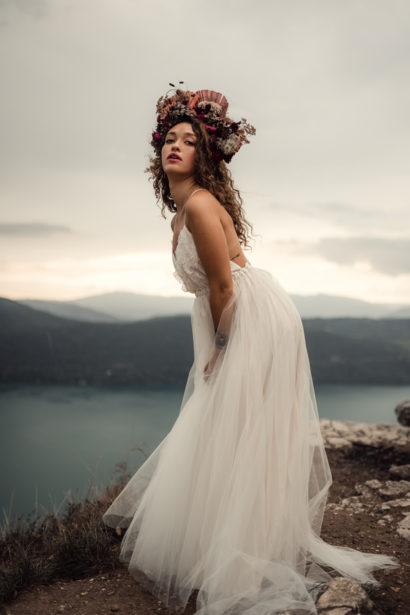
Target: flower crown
(225, 136)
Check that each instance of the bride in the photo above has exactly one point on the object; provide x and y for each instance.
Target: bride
(230, 503)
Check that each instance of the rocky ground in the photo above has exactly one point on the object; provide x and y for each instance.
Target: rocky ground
(368, 509)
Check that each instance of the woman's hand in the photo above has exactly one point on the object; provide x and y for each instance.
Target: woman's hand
(208, 369)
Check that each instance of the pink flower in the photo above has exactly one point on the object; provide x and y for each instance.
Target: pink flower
(210, 128)
(156, 136)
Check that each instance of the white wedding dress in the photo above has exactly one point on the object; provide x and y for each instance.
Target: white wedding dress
(230, 503)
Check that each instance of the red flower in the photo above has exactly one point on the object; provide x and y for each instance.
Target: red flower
(210, 128)
(156, 136)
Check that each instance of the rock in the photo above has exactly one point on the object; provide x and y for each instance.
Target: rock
(338, 442)
(400, 471)
(403, 413)
(346, 434)
(353, 502)
(403, 529)
(385, 519)
(401, 502)
(364, 440)
(340, 427)
(395, 488)
(344, 597)
(368, 486)
(362, 489)
(373, 483)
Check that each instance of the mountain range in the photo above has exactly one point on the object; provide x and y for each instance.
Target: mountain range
(36, 346)
(126, 306)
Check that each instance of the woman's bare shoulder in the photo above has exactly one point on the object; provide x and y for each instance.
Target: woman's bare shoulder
(202, 205)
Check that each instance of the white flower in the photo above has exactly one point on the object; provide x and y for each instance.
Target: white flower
(229, 145)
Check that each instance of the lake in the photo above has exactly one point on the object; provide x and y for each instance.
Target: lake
(57, 441)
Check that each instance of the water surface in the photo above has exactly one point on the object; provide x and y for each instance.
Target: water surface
(57, 440)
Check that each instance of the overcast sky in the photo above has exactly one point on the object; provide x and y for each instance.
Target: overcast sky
(325, 180)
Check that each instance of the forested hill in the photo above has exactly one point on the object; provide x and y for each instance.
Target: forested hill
(39, 347)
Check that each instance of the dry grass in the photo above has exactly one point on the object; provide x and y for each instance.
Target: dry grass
(72, 545)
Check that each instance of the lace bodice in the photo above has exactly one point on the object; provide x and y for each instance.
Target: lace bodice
(188, 267)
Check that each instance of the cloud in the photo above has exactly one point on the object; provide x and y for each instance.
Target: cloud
(32, 229)
(348, 216)
(33, 8)
(386, 255)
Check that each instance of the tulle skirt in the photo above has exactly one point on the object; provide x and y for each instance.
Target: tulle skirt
(230, 503)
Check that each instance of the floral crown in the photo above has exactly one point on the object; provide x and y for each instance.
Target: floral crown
(225, 136)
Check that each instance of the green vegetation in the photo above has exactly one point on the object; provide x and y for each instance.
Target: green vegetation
(359, 350)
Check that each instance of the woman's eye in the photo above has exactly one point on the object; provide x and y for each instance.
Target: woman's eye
(170, 141)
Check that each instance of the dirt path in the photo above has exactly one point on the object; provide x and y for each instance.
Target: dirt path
(115, 592)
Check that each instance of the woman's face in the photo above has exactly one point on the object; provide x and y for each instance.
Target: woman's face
(178, 151)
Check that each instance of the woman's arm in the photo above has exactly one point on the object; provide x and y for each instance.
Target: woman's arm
(203, 221)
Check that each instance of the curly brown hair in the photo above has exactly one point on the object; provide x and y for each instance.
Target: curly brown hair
(211, 174)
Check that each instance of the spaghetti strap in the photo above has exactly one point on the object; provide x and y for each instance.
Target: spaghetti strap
(194, 192)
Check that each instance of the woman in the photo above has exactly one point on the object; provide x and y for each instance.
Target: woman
(231, 502)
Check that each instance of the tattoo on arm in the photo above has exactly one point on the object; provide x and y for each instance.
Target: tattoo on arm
(220, 339)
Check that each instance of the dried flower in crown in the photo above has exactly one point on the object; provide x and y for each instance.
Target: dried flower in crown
(225, 136)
